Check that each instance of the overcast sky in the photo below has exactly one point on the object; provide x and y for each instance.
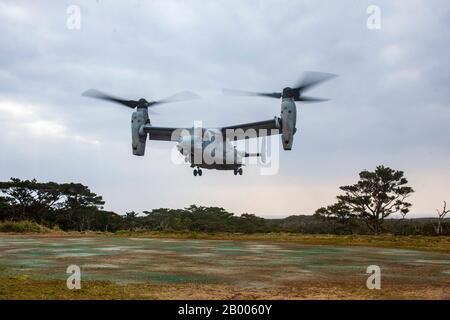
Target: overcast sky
(390, 104)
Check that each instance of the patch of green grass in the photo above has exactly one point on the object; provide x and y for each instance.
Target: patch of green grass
(23, 287)
(24, 227)
(427, 243)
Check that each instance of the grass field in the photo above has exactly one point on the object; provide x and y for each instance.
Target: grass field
(386, 241)
(222, 266)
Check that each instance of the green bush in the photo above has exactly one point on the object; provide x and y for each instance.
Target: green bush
(22, 227)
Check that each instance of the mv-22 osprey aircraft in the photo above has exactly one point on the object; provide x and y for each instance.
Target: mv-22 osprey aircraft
(194, 141)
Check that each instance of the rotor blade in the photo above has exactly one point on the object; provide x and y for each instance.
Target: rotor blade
(177, 97)
(240, 93)
(311, 79)
(310, 99)
(92, 93)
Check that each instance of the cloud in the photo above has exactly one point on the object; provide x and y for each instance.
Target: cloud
(13, 12)
(405, 75)
(26, 120)
(393, 53)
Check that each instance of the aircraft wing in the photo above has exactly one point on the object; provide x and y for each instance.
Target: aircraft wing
(234, 132)
(252, 130)
(163, 133)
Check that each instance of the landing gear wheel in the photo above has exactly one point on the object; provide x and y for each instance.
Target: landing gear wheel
(200, 172)
(240, 171)
(195, 172)
(235, 172)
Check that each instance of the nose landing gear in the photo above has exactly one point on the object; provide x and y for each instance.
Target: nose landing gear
(198, 172)
(238, 171)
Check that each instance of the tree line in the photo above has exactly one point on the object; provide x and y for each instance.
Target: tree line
(361, 208)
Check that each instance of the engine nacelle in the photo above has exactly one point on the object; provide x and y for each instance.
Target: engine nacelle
(288, 122)
(138, 137)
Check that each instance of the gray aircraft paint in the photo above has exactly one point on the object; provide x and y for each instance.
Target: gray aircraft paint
(230, 158)
(288, 122)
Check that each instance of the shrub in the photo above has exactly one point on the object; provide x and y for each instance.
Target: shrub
(22, 227)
